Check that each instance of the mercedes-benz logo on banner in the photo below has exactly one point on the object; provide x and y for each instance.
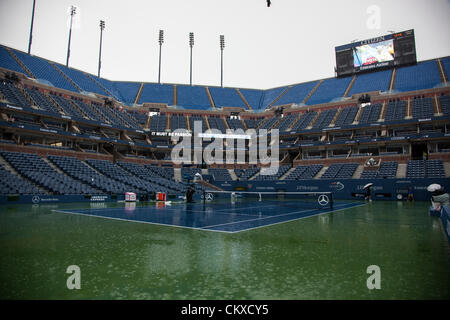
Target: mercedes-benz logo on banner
(35, 199)
(323, 200)
(209, 196)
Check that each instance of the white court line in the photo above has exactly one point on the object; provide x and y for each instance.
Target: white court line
(267, 217)
(281, 215)
(313, 215)
(138, 221)
(203, 228)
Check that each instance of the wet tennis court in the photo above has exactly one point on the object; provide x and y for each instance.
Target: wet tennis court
(307, 254)
(220, 215)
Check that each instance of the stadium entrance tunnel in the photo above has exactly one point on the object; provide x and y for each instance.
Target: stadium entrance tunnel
(419, 151)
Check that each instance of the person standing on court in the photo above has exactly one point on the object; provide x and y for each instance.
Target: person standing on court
(410, 194)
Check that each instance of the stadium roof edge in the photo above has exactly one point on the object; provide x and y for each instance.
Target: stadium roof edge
(204, 85)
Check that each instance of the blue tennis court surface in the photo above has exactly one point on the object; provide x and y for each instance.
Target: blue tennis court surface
(221, 216)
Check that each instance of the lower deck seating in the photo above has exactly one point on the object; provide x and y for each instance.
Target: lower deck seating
(13, 184)
(220, 174)
(340, 170)
(386, 170)
(245, 174)
(35, 169)
(425, 168)
(304, 172)
(272, 173)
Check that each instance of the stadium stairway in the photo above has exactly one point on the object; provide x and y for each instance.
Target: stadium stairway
(287, 173)
(383, 111)
(447, 168)
(52, 165)
(279, 97)
(138, 95)
(243, 99)
(313, 90)
(441, 71)
(232, 174)
(321, 172)
(358, 172)
(211, 100)
(350, 85)
(408, 109)
(9, 168)
(438, 105)
(209, 185)
(393, 76)
(65, 76)
(177, 174)
(29, 73)
(401, 170)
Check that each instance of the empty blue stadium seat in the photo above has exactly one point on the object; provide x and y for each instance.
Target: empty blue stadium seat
(41, 69)
(325, 118)
(297, 93)
(395, 110)
(375, 81)
(192, 97)
(8, 62)
(329, 90)
(304, 121)
(370, 113)
(81, 80)
(346, 116)
(445, 104)
(304, 172)
(422, 108)
(13, 95)
(127, 91)
(424, 75)
(226, 97)
(35, 169)
(253, 97)
(340, 170)
(157, 93)
(270, 95)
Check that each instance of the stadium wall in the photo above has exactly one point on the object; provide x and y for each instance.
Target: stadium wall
(344, 189)
(445, 218)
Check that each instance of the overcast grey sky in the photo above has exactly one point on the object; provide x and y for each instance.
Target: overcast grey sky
(291, 42)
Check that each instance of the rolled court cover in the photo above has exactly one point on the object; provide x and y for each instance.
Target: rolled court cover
(310, 200)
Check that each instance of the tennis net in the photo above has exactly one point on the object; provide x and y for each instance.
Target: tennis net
(314, 200)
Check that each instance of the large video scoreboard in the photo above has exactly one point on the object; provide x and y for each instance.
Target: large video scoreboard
(387, 51)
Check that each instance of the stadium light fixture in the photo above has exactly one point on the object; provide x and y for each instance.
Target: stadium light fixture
(191, 45)
(102, 27)
(222, 46)
(31, 29)
(73, 11)
(391, 31)
(161, 41)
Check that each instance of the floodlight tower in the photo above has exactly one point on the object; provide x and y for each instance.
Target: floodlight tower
(73, 11)
(222, 46)
(191, 44)
(102, 27)
(161, 41)
(31, 29)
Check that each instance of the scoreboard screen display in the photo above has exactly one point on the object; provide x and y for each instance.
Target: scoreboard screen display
(382, 52)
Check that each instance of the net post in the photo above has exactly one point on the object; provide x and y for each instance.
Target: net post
(331, 200)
